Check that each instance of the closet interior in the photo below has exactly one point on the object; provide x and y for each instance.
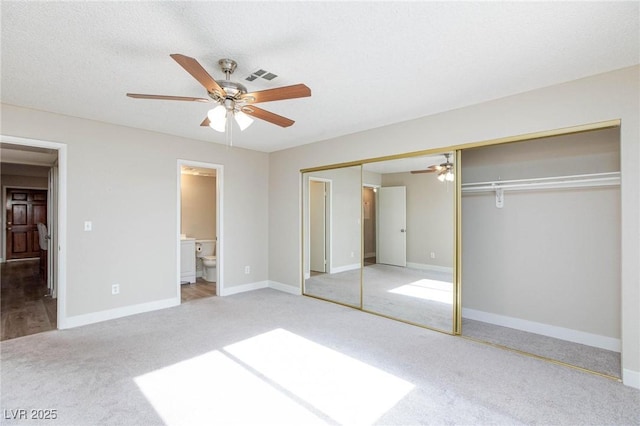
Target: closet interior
(541, 247)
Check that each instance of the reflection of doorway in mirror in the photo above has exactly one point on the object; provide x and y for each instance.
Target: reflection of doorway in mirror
(318, 226)
(369, 226)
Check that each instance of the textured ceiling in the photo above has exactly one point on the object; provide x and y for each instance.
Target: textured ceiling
(368, 64)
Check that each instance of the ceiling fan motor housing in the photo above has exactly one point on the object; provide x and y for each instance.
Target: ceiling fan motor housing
(232, 88)
(228, 66)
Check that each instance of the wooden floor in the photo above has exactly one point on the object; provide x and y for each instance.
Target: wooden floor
(24, 304)
(200, 289)
(27, 309)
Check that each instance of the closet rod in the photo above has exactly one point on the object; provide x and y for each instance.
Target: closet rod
(572, 181)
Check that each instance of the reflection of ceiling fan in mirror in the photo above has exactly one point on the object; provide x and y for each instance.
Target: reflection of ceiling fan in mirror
(444, 170)
(232, 98)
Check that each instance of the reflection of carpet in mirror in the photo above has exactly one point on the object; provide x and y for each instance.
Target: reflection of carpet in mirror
(343, 287)
(418, 296)
(414, 295)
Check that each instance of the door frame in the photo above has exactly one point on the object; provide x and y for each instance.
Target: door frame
(60, 267)
(219, 168)
(375, 188)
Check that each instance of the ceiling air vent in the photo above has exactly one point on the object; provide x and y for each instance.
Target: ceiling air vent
(261, 74)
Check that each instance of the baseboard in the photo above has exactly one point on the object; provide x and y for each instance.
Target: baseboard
(344, 268)
(228, 291)
(86, 319)
(427, 267)
(631, 378)
(285, 288)
(576, 336)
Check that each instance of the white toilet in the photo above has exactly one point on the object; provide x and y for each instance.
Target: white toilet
(206, 253)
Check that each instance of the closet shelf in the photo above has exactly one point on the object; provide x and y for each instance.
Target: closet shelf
(556, 182)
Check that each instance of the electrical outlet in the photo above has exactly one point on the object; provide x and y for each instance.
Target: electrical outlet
(353, 254)
(247, 269)
(433, 254)
(88, 225)
(115, 289)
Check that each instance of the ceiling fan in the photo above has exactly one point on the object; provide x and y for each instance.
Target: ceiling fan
(232, 98)
(444, 170)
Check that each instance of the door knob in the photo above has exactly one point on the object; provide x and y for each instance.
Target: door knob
(403, 230)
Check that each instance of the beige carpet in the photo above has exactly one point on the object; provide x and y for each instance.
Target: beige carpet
(267, 357)
(589, 357)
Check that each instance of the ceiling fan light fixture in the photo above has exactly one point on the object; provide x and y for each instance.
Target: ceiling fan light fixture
(217, 118)
(243, 120)
(446, 175)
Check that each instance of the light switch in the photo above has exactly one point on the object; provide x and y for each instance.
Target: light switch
(87, 225)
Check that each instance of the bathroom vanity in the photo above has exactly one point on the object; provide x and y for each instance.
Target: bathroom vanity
(187, 260)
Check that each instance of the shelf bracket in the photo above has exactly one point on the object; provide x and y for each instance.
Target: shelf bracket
(499, 197)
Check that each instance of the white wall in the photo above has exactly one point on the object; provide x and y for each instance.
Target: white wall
(125, 181)
(24, 181)
(612, 95)
(198, 206)
(551, 257)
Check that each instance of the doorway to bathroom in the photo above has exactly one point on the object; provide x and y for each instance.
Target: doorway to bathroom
(199, 230)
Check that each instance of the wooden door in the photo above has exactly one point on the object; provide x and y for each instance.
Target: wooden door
(25, 208)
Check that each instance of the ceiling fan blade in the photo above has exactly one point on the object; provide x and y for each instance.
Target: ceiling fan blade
(267, 116)
(168, 98)
(194, 68)
(277, 94)
(205, 122)
(430, 169)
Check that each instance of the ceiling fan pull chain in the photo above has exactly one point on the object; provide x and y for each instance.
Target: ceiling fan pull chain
(229, 128)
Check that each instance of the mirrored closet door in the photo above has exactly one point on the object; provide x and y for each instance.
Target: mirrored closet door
(409, 239)
(332, 257)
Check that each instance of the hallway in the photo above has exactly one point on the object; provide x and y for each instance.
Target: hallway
(25, 307)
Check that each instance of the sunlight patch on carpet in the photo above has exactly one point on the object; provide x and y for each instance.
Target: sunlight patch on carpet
(437, 291)
(345, 389)
(213, 389)
(276, 377)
